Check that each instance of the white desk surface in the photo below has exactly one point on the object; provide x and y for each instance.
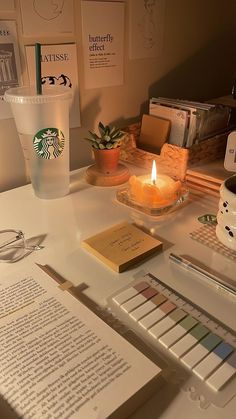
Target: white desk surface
(87, 210)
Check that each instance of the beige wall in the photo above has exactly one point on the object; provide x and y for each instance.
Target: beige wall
(198, 62)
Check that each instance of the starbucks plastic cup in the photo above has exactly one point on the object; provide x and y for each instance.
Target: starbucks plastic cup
(42, 123)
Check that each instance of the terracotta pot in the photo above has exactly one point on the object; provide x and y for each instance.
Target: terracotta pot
(107, 160)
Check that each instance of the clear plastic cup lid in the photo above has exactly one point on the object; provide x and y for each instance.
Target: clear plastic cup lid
(28, 95)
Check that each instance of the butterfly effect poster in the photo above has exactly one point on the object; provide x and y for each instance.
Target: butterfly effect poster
(58, 68)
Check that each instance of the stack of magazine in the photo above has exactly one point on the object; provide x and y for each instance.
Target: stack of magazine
(191, 122)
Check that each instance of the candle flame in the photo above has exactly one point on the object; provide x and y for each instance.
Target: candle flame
(154, 172)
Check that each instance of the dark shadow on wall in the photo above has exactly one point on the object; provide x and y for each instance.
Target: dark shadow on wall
(209, 73)
(90, 112)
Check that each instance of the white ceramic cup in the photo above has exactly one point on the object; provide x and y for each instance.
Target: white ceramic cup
(226, 216)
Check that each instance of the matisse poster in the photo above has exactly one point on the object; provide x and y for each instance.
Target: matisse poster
(103, 43)
(58, 68)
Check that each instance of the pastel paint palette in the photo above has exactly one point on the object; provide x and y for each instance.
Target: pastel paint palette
(197, 346)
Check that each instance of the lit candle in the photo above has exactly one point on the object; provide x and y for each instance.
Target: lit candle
(154, 172)
(157, 190)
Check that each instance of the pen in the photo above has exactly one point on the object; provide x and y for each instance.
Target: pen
(207, 276)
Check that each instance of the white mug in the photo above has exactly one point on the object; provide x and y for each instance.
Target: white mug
(226, 216)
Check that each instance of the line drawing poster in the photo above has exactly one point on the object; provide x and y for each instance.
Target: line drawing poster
(7, 5)
(146, 28)
(10, 70)
(103, 43)
(42, 17)
(59, 68)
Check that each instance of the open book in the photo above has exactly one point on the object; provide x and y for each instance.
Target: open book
(59, 359)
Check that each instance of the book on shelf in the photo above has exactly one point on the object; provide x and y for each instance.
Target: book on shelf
(122, 246)
(58, 359)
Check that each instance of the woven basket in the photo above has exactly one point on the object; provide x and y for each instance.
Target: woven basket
(173, 160)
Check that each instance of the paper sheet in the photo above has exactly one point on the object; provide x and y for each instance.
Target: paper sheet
(57, 357)
(7, 5)
(9, 63)
(103, 43)
(59, 67)
(42, 17)
(146, 28)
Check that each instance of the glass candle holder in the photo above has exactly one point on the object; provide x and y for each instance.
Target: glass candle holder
(153, 197)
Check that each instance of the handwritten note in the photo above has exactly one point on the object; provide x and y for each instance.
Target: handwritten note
(122, 246)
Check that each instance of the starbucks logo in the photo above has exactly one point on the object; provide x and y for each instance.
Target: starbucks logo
(49, 143)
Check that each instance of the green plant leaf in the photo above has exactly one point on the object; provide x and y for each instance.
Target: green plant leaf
(100, 125)
(107, 138)
(113, 130)
(94, 135)
(101, 129)
(110, 137)
(91, 140)
(118, 135)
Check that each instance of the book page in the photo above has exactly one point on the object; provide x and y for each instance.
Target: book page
(58, 359)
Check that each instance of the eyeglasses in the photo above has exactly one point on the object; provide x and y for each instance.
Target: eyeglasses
(13, 246)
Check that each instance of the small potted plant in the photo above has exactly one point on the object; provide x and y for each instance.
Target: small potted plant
(106, 147)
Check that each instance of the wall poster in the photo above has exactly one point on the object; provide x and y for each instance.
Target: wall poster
(7, 5)
(59, 68)
(146, 28)
(47, 17)
(10, 71)
(103, 43)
